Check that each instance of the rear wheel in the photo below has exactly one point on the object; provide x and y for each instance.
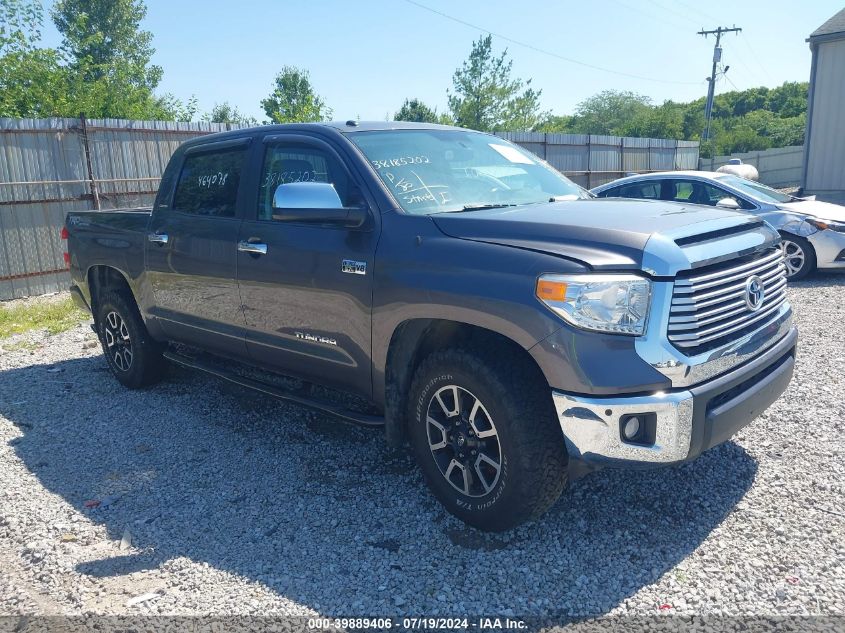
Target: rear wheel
(485, 435)
(799, 256)
(132, 355)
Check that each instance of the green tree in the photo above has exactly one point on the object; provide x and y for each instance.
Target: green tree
(20, 24)
(227, 113)
(416, 110)
(485, 97)
(101, 69)
(609, 112)
(34, 84)
(664, 121)
(555, 123)
(104, 39)
(293, 99)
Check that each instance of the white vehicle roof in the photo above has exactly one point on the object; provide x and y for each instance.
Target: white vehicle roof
(689, 173)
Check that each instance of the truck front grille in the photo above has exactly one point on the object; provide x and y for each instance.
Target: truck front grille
(713, 306)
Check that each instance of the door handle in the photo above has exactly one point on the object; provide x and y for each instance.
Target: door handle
(158, 238)
(254, 248)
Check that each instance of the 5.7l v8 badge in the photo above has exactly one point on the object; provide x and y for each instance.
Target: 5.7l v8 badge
(353, 267)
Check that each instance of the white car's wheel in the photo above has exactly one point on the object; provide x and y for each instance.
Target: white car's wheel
(798, 255)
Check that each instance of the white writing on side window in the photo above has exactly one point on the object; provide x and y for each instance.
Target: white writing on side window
(213, 180)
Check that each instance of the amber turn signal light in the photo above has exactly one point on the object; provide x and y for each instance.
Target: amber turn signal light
(551, 290)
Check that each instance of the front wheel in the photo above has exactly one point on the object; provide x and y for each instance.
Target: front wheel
(798, 255)
(485, 434)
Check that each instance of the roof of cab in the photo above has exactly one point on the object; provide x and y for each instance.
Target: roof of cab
(342, 127)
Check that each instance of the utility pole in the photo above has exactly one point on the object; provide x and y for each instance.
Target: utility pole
(711, 80)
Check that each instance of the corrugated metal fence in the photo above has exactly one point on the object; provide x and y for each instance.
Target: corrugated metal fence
(592, 160)
(51, 166)
(778, 167)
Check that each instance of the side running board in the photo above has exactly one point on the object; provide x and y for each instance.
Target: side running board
(323, 406)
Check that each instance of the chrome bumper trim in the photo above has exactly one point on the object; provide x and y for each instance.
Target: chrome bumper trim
(593, 434)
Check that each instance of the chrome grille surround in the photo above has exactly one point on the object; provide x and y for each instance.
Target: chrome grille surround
(666, 261)
(709, 309)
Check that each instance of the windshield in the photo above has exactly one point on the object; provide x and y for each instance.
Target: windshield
(439, 171)
(759, 192)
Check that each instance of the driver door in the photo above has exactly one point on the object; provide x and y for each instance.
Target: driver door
(308, 313)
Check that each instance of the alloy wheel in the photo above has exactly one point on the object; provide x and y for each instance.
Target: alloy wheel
(118, 343)
(463, 441)
(793, 256)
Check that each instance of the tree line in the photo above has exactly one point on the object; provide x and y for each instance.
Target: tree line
(103, 68)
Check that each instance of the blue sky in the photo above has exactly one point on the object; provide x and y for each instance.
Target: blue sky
(365, 57)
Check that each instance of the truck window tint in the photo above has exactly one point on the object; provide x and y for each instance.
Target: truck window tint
(208, 184)
(287, 164)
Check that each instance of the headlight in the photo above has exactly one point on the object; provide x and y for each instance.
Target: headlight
(826, 225)
(605, 303)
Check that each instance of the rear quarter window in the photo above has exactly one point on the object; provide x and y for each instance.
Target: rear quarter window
(208, 183)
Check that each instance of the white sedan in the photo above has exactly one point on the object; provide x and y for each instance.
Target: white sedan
(813, 232)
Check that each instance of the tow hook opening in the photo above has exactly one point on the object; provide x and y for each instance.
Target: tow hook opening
(639, 429)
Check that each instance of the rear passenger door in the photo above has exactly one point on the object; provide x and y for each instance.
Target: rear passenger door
(191, 253)
(308, 298)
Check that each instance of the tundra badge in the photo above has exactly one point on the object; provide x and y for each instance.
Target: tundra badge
(353, 268)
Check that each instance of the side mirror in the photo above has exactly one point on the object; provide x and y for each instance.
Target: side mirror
(729, 203)
(314, 202)
(306, 195)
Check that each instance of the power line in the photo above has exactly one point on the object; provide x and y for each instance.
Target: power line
(754, 55)
(698, 11)
(670, 10)
(543, 51)
(724, 73)
(641, 11)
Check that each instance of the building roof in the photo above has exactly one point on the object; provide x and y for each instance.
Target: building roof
(834, 26)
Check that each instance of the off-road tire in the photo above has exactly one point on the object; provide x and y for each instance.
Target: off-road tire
(533, 467)
(144, 365)
(808, 253)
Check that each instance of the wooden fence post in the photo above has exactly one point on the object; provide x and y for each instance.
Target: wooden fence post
(92, 181)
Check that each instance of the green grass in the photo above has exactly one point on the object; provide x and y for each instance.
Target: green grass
(54, 316)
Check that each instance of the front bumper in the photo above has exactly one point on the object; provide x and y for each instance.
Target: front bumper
(830, 248)
(686, 422)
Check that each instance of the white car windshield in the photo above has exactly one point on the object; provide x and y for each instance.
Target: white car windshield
(759, 192)
(439, 171)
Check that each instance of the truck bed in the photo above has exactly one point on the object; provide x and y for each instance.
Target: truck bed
(116, 238)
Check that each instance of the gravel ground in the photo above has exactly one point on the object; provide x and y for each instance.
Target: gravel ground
(197, 498)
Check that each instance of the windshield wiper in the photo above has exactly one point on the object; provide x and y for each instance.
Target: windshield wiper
(477, 207)
(480, 207)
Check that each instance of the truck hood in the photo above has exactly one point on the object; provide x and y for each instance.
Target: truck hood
(605, 234)
(816, 209)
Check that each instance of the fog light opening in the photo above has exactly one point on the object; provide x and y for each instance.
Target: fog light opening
(638, 428)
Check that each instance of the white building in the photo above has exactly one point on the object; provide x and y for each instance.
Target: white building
(824, 142)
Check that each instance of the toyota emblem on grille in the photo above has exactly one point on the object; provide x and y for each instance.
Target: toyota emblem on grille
(754, 293)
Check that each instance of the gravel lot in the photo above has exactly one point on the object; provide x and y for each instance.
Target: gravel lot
(214, 500)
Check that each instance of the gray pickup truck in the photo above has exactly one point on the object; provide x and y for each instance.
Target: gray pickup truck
(454, 289)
